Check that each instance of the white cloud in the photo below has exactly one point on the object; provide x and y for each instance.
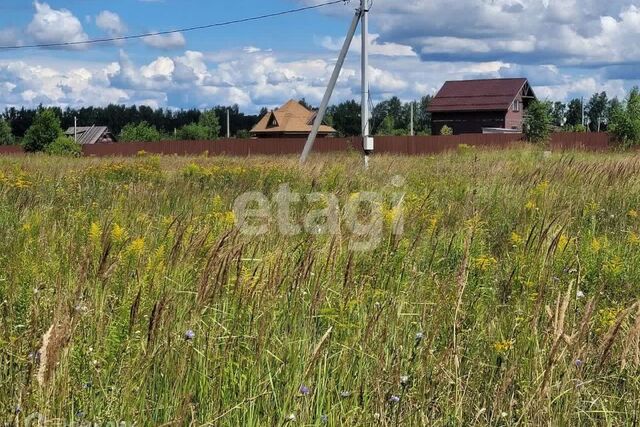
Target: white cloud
(55, 26)
(111, 23)
(169, 41)
(375, 48)
(9, 37)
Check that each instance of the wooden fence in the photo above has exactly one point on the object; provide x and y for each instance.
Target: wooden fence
(400, 145)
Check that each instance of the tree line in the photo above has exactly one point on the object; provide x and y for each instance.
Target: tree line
(620, 118)
(166, 121)
(389, 117)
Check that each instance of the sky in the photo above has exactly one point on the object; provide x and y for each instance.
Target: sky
(567, 48)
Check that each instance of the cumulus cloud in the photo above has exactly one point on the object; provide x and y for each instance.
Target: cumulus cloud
(376, 48)
(167, 42)
(55, 26)
(571, 32)
(9, 37)
(569, 48)
(111, 23)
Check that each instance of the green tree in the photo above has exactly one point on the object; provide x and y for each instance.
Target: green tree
(537, 123)
(64, 146)
(558, 114)
(6, 137)
(574, 113)
(193, 132)
(44, 131)
(423, 117)
(625, 122)
(141, 132)
(209, 120)
(243, 134)
(596, 110)
(387, 127)
(345, 118)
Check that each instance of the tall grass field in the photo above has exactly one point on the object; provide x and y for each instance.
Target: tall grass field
(499, 288)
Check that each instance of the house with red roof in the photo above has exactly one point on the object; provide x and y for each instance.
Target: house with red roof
(481, 106)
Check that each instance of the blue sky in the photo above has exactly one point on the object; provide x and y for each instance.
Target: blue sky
(566, 47)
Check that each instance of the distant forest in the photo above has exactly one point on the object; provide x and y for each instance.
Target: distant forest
(116, 117)
(389, 117)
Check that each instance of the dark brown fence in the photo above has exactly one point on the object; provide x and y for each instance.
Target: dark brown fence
(10, 149)
(231, 147)
(401, 145)
(581, 141)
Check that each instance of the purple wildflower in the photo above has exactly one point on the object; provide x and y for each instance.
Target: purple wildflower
(189, 335)
(394, 399)
(579, 363)
(304, 390)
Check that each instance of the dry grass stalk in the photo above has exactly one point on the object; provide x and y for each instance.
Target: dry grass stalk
(632, 343)
(316, 351)
(558, 325)
(614, 330)
(53, 342)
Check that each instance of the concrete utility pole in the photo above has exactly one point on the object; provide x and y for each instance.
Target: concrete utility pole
(228, 125)
(75, 129)
(582, 105)
(367, 141)
(412, 133)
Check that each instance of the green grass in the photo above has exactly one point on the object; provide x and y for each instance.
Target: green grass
(519, 271)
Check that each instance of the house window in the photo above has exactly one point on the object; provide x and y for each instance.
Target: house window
(516, 106)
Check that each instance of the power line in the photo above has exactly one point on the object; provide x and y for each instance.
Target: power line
(182, 30)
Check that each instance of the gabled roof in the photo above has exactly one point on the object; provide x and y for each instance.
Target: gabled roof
(88, 134)
(479, 95)
(290, 118)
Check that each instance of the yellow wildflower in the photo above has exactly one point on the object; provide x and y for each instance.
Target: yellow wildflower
(217, 203)
(229, 218)
(596, 245)
(136, 247)
(503, 346)
(614, 266)
(392, 215)
(118, 234)
(95, 232)
(26, 227)
(563, 242)
(516, 239)
(633, 213)
(484, 263)
(530, 205)
(433, 223)
(606, 318)
(634, 239)
(541, 188)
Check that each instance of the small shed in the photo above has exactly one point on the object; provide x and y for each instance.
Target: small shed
(91, 134)
(471, 106)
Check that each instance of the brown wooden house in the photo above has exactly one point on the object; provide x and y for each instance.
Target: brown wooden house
(87, 135)
(481, 106)
(292, 120)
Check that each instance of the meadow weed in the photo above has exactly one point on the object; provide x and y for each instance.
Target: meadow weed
(503, 290)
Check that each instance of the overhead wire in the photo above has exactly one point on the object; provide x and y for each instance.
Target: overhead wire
(168, 32)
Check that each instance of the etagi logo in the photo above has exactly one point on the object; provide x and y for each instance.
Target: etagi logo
(362, 216)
